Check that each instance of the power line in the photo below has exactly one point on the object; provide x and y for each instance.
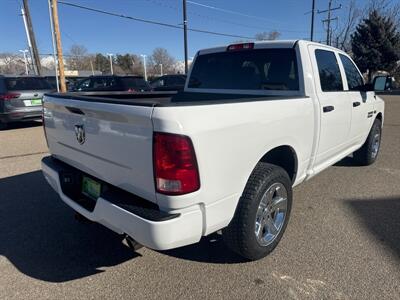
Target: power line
(329, 20)
(212, 18)
(152, 21)
(232, 12)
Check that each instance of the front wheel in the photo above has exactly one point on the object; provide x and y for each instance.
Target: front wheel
(368, 153)
(262, 213)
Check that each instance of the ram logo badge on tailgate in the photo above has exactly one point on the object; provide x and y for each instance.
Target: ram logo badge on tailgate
(80, 134)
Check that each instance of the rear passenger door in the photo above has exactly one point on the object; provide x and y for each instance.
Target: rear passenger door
(335, 109)
(362, 102)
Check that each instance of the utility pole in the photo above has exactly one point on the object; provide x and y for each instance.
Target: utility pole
(312, 20)
(54, 9)
(25, 60)
(91, 66)
(110, 55)
(329, 19)
(161, 71)
(144, 66)
(54, 45)
(31, 40)
(185, 35)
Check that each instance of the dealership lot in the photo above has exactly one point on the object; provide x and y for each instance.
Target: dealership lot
(342, 242)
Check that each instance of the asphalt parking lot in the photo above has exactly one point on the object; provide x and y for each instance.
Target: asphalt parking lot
(342, 242)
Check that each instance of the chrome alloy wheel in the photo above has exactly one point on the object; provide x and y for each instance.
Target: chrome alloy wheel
(376, 142)
(271, 214)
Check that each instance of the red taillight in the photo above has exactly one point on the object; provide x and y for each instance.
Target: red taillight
(132, 90)
(9, 96)
(245, 46)
(175, 165)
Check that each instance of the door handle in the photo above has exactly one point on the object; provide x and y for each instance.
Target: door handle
(328, 108)
(355, 104)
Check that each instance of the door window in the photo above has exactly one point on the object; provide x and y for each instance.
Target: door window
(354, 79)
(329, 72)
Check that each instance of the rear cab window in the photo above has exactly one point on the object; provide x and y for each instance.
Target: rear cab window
(254, 70)
(27, 83)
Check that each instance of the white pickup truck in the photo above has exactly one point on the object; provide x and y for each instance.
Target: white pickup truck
(254, 120)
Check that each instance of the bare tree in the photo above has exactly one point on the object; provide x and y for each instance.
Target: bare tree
(160, 57)
(267, 36)
(11, 64)
(341, 37)
(78, 58)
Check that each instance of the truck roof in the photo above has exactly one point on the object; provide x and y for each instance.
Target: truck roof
(263, 45)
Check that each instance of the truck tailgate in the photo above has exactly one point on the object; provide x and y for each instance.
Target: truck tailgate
(112, 142)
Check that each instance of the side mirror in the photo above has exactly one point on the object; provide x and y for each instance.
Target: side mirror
(382, 83)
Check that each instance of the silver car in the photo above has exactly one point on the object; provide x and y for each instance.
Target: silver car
(21, 98)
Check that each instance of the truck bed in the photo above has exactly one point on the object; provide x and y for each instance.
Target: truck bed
(152, 99)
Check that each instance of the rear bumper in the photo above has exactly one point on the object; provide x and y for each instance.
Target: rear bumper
(150, 227)
(21, 114)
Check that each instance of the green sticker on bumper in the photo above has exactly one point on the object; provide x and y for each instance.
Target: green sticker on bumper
(90, 187)
(36, 101)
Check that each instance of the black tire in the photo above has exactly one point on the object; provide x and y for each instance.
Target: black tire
(3, 125)
(368, 153)
(240, 235)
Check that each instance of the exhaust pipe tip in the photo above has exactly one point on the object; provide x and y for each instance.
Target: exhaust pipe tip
(131, 243)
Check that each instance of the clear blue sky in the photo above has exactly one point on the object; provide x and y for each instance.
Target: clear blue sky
(101, 33)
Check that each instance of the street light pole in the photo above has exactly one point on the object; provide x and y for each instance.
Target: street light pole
(185, 35)
(111, 63)
(26, 61)
(312, 20)
(144, 66)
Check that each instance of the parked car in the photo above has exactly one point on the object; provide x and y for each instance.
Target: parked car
(112, 83)
(169, 83)
(21, 98)
(69, 81)
(254, 120)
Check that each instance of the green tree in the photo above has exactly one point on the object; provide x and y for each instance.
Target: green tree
(128, 64)
(102, 63)
(125, 62)
(376, 44)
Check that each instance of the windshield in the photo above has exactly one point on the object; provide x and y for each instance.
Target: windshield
(259, 69)
(135, 83)
(27, 83)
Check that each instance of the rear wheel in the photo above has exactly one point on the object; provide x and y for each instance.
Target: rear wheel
(262, 213)
(368, 153)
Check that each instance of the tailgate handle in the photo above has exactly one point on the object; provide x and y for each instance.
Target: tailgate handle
(75, 110)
